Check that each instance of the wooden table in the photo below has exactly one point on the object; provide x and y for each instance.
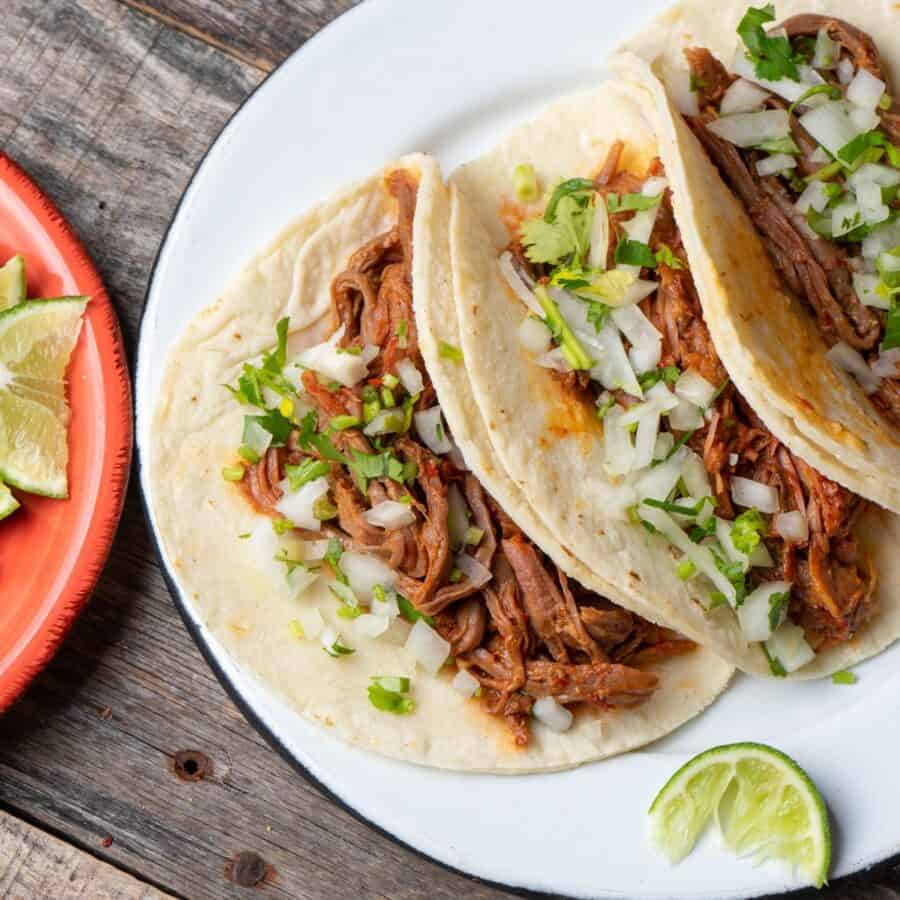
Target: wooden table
(110, 104)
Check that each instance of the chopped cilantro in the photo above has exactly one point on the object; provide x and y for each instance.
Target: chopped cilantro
(775, 666)
(333, 557)
(309, 470)
(665, 256)
(777, 605)
(844, 677)
(396, 702)
(617, 203)
(667, 374)
(747, 531)
(338, 649)
(892, 327)
(562, 235)
(781, 145)
(275, 423)
(634, 253)
(410, 613)
(773, 57)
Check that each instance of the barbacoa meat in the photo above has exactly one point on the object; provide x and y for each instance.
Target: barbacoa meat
(529, 632)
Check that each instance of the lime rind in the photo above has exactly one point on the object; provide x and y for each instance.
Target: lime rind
(8, 503)
(765, 805)
(13, 283)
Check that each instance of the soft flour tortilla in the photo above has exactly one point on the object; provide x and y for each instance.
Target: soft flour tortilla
(551, 446)
(246, 604)
(774, 351)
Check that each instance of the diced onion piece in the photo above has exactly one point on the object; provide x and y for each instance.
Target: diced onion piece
(390, 515)
(432, 430)
(887, 365)
(387, 608)
(299, 579)
(325, 358)
(819, 157)
(599, 234)
(700, 556)
(784, 87)
(808, 75)
(635, 292)
(646, 341)
(617, 443)
(534, 335)
(313, 550)
(427, 646)
(364, 572)
(465, 683)
(830, 125)
(696, 479)
(612, 368)
(410, 376)
(311, 622)
(741, 97)
(474, 571)
(777, 162)
(723, 533)
(885, 176)
(788, 645)
(865, 89)
(752, 129)
(866, 286)
(694, 388)
(645, 439)
(851, 361)
(388, 421)
(554, 359)
(678, 85)
(814, 196)
(665, 441)
(872, 207)
(733, 459)
(457, 517)
(518, 286)
(654, 185)
(662, 397)
(791, 527)
(297, 506)
(845, 217)
(827, 53)
(685, 417)
(370, 626)
(658, 482)
(748, 493)
(760, 557)
(256, 437)
(864, 119)
(753, 613)
(552, 714)
(845, 71)
(881, 240)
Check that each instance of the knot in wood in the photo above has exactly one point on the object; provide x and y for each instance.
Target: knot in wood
(191, 765)
(247, 869)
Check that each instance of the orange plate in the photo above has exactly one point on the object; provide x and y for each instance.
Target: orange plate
(52, 551)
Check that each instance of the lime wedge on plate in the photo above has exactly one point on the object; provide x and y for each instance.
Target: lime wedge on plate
(765, 804)
(8, 503)
(36, 341)
(12, 282)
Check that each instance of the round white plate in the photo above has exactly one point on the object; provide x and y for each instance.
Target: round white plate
(450, 77)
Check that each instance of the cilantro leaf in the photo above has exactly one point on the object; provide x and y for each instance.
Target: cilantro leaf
(665, 256)
(566, 189)
(892, 327)
(410, 613)
(616, 203)
(667, 374)
(598, 314)
(546, 242)
(773, 57)
(635, 253)
(276, 424)
(777, 605)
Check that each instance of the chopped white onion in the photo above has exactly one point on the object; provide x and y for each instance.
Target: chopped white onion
(865, 90)
(432, 430)
(383, 423)
(845, 217)
(760, 557)
(784, 87)
(457, 517)
(465, 683)
(388, 608)
(662, 397)
(788, 645)
(866, 286)
(685, 417)
(881, 240)
(792, 526)
(646, 341)
(410, 376)
(552, 714)
(635, 292)
(696, 479)
(659, 481)
(345, 368)
(845, 71)
(753, 613)
(364, 572)
(311, 622)
(814, 195)
(723, 533)
(885, 176)
(299, 579)
(654, 185)
(645, 439)
(665, 441)
(611, 367)
(427, 646)
(618, 449)
(678, 85)
(599, 234)
(534, 335)
(554, 359)
(752, 129)
(390, 515)
(518, 286)
(256, 437)
(733, 459)
(477, 573)
(298, 506)
(819, 157)
(777, 162)
(754, 494)
(830, 125)
(864, 119)
(851, 361)
(370, 626)
(873, 209)
(827, 52)
(887, 365)
(741, 97)
(694, 388)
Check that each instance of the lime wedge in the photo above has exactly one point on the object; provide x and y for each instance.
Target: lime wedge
(12, 282)
(36, 341)
(8, 503)
(766, 806)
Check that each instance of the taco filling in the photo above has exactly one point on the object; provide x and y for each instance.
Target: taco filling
(614, 312)
(348, 451)
(806, 131)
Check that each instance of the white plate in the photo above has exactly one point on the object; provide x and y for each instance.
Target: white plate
(449, 77)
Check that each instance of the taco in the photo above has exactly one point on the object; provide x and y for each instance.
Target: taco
(623, 418)
(337, 517)
(796, 109)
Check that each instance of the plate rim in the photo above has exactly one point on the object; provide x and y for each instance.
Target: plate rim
(181, 603)
(117, 454)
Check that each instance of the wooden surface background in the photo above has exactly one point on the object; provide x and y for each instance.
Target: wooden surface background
(110, 105)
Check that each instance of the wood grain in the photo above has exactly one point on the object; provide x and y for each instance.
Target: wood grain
(36, 864)
(111, 105)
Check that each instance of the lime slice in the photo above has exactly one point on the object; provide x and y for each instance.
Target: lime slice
(12, 282)
(765, 804)
(36, 340)
(8, 503)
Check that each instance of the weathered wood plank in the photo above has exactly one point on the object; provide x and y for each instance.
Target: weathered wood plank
(36, 864)
(258, 33)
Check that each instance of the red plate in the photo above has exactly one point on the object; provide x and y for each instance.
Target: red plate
(52, 551)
